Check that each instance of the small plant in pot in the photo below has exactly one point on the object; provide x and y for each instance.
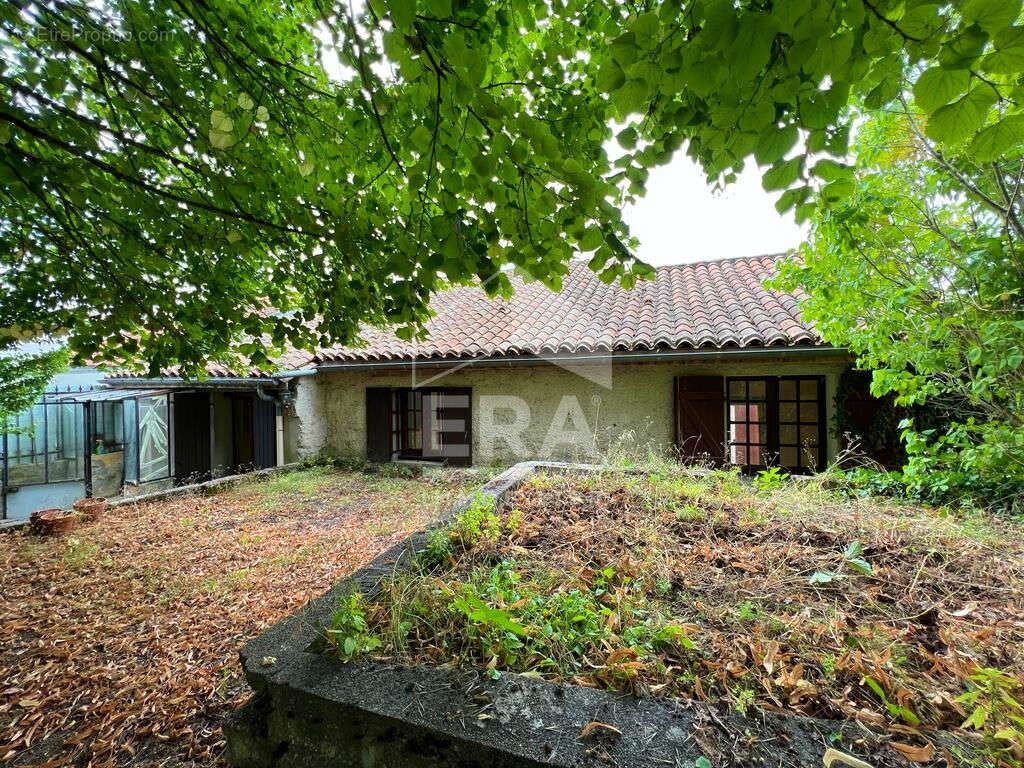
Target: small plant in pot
(55, 522)
(91, 508)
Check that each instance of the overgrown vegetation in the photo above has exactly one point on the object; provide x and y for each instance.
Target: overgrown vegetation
(920, 272)
(784, 595)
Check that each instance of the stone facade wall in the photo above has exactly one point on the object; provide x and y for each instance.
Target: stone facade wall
(541, 411)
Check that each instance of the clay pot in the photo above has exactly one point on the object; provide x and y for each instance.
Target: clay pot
(92, 508)
(55, 522)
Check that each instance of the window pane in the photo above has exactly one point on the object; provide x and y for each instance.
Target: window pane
(153, 443)
(738, 454)
(808, 412)
(787, 389)
(757, 391)
(755, 434)
(737, 412)
(808, 435)
(755, 454)
(810, 456)
(756, 412)
(788, 457)
(738, 390)
(787, 411)
(787, 435)
(808, 389)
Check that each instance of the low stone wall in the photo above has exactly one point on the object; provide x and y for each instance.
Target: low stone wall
(310, 711)
(107, 473)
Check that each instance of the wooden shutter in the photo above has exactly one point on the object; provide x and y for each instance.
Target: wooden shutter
(700, 417)
(378, 423)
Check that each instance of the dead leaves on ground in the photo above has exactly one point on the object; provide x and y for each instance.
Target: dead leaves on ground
(119, 645)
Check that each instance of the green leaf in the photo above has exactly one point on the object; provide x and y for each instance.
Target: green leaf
(702, 762)
(937, 87)
(403, 13)
(609, 76)
(592, 239)
(631, 97)
(627, 138)
(1008, 56)
(960, 120)
(221, 122)
(422, 138)
(831, 170)
(774, 143)
(883, 93)
(646, 29)
(998, 139)
(245, 102)
(782, 174)
(221, 139)
(991, 15)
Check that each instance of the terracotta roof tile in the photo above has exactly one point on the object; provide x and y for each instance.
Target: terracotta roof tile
(711, 304)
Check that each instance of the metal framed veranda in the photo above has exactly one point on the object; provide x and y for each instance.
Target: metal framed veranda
(84, 442)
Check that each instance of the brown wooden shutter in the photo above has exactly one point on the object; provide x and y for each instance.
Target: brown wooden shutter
(378, 423)
(700, 417)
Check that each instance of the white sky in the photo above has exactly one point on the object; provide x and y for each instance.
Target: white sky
(682, 219)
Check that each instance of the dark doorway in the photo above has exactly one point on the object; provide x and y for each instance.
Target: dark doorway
(253, 433)
(264, 433)
(191, 437)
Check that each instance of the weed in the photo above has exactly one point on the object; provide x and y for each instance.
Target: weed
(81, 552)
(348, 631)
(743, 699)
(690, 513)
(995, 706)
(747, 612)
(770, 480)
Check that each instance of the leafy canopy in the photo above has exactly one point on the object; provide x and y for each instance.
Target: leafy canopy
(170, 169)
(921, 273)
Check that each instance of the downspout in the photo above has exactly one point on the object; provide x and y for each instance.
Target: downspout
(263, 395)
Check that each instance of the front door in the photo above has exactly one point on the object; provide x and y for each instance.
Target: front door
(253, 432)
(191, 437)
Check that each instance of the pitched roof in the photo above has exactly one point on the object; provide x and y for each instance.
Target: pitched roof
(704, 305)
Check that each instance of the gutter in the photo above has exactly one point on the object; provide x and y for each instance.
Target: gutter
(218, 382)
(718, 354)
(282, 378)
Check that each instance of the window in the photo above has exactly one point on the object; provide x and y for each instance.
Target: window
(800, 423)
(107, 427)
(748, 421)
(425, 423)
(407, 422)
(777, 421)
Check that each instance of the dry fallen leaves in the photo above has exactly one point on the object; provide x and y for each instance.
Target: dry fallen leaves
(119, 645)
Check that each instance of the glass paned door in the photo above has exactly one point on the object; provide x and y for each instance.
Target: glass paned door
(154, 442)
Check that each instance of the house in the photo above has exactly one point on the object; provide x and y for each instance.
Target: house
(702, 360)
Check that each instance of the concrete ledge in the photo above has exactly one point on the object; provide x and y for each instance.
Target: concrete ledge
(312, 711)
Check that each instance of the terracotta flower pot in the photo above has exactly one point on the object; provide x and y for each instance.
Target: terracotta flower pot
(92, 508)
(55, 522)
